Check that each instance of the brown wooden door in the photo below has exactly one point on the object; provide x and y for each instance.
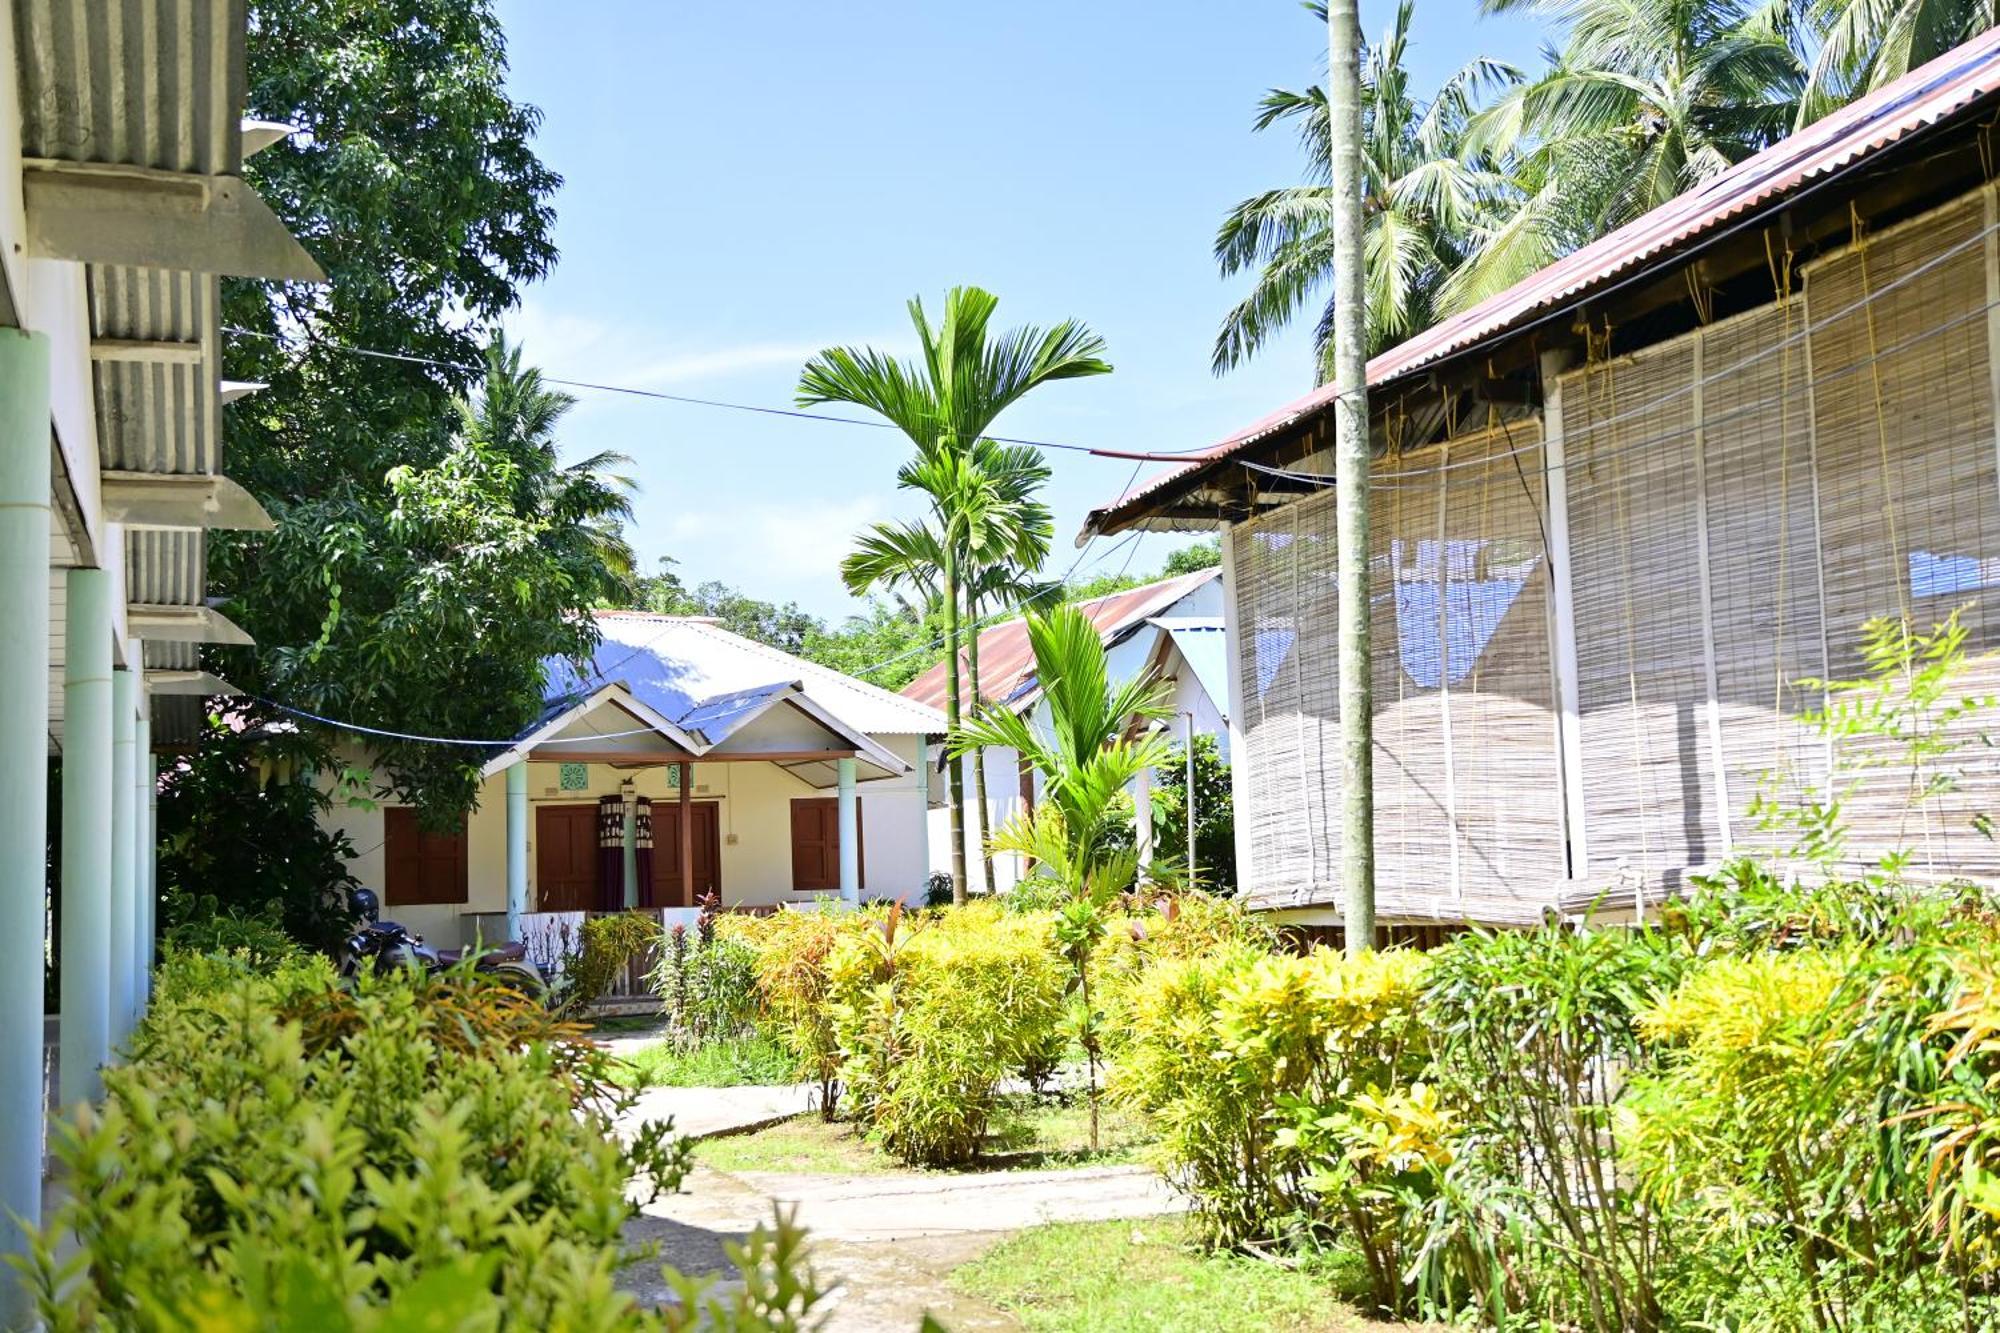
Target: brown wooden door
(667, 890)
(816, 844)
(566, 858)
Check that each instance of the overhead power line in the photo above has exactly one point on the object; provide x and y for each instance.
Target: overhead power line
(660, 395)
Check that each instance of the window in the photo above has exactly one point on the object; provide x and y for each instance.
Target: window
(816, 844)
(421, 867)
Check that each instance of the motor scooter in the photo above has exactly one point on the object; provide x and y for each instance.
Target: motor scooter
(379, 945)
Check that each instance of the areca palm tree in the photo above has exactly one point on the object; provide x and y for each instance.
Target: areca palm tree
(1644, 100)
(946, 402)
(1087, 756)
(1426, 194)
(1859, 45)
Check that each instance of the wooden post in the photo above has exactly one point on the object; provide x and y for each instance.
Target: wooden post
(687, 835)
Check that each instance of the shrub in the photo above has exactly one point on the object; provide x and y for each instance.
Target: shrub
(707, 987)
(606, 944)
(1287, 1091)
(791, 950)
(260, 935)
(929, 1018)
(1537, 1033)
(267, 1146)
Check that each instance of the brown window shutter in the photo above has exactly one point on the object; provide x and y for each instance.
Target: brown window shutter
(421, 867)
(816, 844)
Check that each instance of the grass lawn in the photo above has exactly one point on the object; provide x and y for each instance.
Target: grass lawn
(1028, 1133)
(1097, 1277)
(744, 1062)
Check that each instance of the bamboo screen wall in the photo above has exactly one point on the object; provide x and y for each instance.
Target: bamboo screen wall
(1467, 792)
(1738, 502)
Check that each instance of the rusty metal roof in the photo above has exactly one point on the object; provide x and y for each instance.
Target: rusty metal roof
(1007, 663)
(1925, 96)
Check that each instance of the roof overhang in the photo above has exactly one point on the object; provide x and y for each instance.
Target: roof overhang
(1212, 489)
(608, 725)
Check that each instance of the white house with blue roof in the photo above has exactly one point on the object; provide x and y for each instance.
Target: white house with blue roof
(687, 760)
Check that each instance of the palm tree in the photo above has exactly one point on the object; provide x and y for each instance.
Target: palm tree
(1425, 195)
(1645, 99)
(946, 403)
(588, 501)
(1863, 44)
(1087, 757)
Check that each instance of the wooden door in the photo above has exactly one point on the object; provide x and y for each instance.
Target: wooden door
(667, 890)
(566, 858)
(816, 844)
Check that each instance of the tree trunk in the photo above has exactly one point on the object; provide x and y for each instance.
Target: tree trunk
(979, 805)
(954, 769)
(1350, 470)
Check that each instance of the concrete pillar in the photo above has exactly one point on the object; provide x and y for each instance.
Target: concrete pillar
(850, 834)
(149, 915)
(85, 947)
(631, 849)
(142, 854)
(24, 756)
(124, 902)
(517, 846)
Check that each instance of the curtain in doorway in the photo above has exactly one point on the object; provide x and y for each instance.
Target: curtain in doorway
(610, 854)
(642, 828)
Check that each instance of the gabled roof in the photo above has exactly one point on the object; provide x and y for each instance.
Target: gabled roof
(1007, 663)
(1203, 644)
(685, 667)
(1940, 90)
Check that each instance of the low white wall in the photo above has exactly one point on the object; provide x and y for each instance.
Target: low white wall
(753, 816)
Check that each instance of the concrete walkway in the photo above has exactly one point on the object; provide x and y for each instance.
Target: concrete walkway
(888, 1243)
(703, 1113)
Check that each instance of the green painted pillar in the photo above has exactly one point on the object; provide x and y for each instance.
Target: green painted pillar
(517, 847)
(124, 706)
(151, 920)
(631, 860)
(85, 947)
(849, 807)
(142, 853)
(24, 756)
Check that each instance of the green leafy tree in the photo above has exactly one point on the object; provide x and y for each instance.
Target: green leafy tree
(414, 183)
(786, 628)
(438, 606)
(1426, 194)
(1086, 759)
(946, 403)
(1641, 102)
(1858, 46)
(1214, 815)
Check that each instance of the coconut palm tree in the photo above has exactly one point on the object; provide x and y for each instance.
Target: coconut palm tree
(1087, 756)
(1859, 45)
(1645, 99)
(1425, 195)
(946, 402)
(587, 501)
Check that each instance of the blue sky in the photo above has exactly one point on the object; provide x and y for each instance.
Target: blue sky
(745, 184)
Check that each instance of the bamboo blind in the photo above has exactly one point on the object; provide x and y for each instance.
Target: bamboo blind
(1741, 500)
(1909, 500)
(1649, 794)
(1467, 797)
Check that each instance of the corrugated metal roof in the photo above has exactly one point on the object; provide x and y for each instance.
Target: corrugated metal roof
(157, 416)
(1007, 663)
(1943, 88)
(133, 82)
(678, 665)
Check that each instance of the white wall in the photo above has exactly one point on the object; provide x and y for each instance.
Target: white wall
(753, 817)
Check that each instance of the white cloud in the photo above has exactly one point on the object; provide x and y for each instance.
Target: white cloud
(581, 347)
(771, 549)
